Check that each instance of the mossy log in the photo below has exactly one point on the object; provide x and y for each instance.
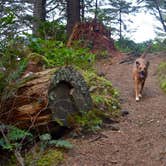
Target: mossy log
(47, 96)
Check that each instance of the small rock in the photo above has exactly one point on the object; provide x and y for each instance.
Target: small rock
(124, 112)
(101, 74)
(108, 120)
(114, 128)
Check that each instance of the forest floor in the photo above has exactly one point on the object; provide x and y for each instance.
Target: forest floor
(141, 138)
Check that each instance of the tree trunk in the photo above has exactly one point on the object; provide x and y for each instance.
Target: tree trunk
(39, 14)
(120, 25)
(160, 15)
(96, 10)
(73, 14)
(82, 10)
(49, 96)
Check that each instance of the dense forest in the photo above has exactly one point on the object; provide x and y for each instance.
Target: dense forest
(51, 82)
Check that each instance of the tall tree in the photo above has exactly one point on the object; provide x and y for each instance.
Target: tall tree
(39, 14)
(82, 7)
(73, 14)
(96, 9)
(14, 19)
(119, 9)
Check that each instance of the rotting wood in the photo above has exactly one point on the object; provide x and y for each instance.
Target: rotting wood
(49, 95)
(92, 35)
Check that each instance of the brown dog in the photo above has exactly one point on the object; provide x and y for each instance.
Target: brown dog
(140, 72)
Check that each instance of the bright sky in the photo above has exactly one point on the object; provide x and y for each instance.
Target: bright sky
(142, 27)
(144, 23)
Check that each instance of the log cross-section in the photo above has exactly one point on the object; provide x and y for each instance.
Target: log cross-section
(68, 93)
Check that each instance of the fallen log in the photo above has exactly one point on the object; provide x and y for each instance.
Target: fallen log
(47, 96)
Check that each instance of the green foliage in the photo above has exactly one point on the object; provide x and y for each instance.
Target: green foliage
(46, 141)
(57, 54)
(7, 31)
(104, 96)
(61, 144)
(105, 100)
(162, 75)
(6, 20)
(89, 121)
(51, 158)
(12, 65)
(53, 30)
(158, 45)
(12, 138)
(129, 46)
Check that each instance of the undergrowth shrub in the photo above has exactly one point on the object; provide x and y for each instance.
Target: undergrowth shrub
(129, 46)
(53, 31)
(51, 157)
(12, 137)
(57, 54)
(12, 65)
(35, 157)
(46, 140)
(162, 75)
(158, 45)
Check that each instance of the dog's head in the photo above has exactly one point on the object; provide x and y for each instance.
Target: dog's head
(142, 68)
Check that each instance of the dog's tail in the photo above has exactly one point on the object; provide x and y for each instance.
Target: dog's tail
(146, 50)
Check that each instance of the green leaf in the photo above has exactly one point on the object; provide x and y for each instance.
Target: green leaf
(15, 134)
(45, 137)
(61, 144)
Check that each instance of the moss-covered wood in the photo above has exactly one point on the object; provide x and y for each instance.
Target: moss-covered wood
(68, 93)
(46, 96)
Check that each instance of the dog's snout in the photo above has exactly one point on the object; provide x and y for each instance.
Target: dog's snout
(142, 74)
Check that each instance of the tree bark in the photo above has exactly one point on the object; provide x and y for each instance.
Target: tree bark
(39, 14)
(96, 10)
(73, 14)
(82, 10)
(120, 25)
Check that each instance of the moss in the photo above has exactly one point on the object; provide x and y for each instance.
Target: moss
(38, 59)
(105, 101)
(50, 157)
(104, 96)
(162, 75)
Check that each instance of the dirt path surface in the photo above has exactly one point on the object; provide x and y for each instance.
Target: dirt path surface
(141, 140)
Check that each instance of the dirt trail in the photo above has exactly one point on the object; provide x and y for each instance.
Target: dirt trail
(141, 140)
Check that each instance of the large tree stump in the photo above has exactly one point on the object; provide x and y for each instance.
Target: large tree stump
(48, 96)
(93, 35)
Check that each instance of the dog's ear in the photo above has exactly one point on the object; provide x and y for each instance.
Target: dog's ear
(137, 64)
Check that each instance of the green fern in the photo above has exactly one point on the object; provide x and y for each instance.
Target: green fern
(13, 137)
(47, 140)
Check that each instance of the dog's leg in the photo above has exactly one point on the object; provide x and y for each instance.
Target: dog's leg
(136, 90)
(141, 89)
